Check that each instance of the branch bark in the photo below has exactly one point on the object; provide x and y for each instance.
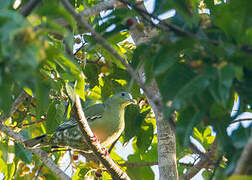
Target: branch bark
(165, 130)
(245, 158)
(138, 164)
(113, 169)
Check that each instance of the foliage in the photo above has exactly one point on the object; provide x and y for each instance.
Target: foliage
(200, 71)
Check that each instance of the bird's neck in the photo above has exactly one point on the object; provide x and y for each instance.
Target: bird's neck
(118, 111)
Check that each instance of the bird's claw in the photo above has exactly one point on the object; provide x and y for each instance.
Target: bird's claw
(95, 139)
(106, 153)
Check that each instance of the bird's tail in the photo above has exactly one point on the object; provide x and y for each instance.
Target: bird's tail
(37, 142)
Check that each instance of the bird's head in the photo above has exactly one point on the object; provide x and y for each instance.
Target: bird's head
(123, 98)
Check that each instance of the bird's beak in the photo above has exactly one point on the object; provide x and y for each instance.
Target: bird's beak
(133, 101)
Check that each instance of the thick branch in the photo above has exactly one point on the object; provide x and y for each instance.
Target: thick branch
(43, 156)
(29, 7)
(165, 129)
(87, 133)
(245, 158)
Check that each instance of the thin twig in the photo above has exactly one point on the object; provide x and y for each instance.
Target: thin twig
(29, 7)
(15, 105)
(20, 99)
(25, 113)
(39, 170)
(112, 145)
(186, 164)
(138, 164)
(34, 122)
(240, 120)
(59, 150)
(100, 7)
(113, 169)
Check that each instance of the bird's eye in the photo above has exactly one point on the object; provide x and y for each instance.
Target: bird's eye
(122, 94)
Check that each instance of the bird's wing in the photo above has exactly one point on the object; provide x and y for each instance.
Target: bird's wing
(92, 113)
(67, 124)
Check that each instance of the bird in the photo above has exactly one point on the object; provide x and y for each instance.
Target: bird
(106, 120)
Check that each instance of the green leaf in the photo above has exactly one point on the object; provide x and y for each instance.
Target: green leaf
(92, 72)
(133, 118)
(210, 139)
(42, 97)
(240, 177)
(70, 91)
(207, 131)
(187, 120)
(24, 154)
(240, 137)
(11, 170)
(195, 85)
(4, 4)
(151, 155)
(80, 86)
(137, 173)
(55, 116)
(3, 167)
(220, 87)
(145, 136)
(198, 135)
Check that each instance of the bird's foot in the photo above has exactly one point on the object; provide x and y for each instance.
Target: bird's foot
(95, 139)
(75, 156)
(98, 173)
(106, 153)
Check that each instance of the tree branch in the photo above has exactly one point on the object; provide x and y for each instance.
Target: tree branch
(165, 127)
(240, 120)
(245, 158)
(20, 99)
(113, 169)
(29, 7)
(176, 29)
(105, 5)
(43, 156)
(100, 7)
(205, 161)
(138, 164)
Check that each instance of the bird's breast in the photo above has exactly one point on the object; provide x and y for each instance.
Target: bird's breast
(109, 127)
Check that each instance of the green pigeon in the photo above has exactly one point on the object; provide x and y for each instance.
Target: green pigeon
(106, 121)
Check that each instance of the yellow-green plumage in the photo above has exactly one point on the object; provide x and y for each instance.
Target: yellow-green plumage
(106, 121)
